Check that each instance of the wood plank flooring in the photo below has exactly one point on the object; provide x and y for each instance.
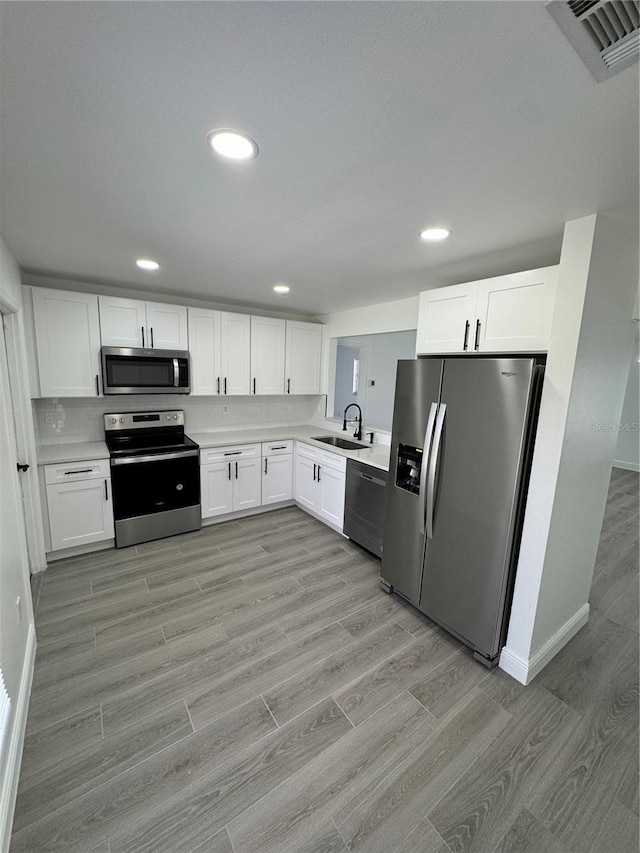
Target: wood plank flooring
(248, 688)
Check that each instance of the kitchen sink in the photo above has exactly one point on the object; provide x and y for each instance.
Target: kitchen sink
(338, 441)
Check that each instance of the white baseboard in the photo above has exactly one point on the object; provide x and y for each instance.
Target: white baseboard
(524, 670)
(9, 784)
(245, 513)
(628, 466)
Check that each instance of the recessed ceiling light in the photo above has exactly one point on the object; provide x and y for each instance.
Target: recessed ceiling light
(233, 145)
(148, 264)
(432, 235)
(281, 288)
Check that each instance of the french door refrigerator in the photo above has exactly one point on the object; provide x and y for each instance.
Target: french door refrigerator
(462, 439)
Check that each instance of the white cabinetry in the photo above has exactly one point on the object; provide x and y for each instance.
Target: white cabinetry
(320, 483)
(204, 349)
(67, 334)
(267, 355)
(302, 360)
(79, 503)
(132, 323)
(277, 472)
(235, 348)
(230, 479)
(510, 313)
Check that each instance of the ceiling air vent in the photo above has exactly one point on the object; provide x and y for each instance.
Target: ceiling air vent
(604, 33)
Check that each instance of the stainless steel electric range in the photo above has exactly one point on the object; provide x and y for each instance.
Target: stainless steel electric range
(155, 476)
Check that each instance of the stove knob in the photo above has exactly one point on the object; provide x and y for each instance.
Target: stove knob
(168, 417)
(121, 420)
(175, 417)
(113, 420)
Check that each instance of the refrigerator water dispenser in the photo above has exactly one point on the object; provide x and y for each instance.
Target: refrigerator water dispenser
(408, 468)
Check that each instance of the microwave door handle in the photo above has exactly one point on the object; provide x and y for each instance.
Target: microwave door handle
(176, 373)
(433, 465)
(428, 436)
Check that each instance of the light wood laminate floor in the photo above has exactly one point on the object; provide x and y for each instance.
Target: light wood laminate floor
(249, 688)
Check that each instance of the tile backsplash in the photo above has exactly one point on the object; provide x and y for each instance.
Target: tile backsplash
(81, 419)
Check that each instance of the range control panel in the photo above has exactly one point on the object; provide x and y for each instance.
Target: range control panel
(142, 420)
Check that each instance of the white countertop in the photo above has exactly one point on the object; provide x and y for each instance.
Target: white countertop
(376, 455)
(53, 454)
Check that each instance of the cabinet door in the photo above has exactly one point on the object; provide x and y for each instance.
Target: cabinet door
(235, 344)
(204, 349)
(332, 488)
(122, 322)
(167, 326)
(446, 319)
(68, 342)
(216, 487)
(277, 478)
(79, 513)
(305, 485)
(267, 355)
(515, 311)
(303, 358)
(247, 483)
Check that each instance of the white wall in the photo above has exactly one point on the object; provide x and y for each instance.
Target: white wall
(17, 636)
(590, 348)
(627, 453)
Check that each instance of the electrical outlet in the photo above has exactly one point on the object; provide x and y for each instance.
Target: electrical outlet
(49, 418)
(225, 410)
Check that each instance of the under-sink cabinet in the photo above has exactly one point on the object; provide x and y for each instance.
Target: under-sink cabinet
(79, 503)
(319, 483)
(277, 472)
(230, 479)
(509, 313)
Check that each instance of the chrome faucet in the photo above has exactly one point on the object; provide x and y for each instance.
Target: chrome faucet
(358, 433)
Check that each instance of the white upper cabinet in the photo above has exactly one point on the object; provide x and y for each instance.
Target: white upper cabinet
(445, 316)
(235, 348)
(267, 355)
(204, 349)
(122, 322)
(510, 313)
(67, 332)
(514, 312)
(132, 323)
(167, 326)
(302, 360)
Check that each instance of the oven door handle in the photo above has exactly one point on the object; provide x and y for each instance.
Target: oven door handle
(176, 373)
(155, 457)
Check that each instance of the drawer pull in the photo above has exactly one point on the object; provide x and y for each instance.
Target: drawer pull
(278, 447)
(233, 453)
(79, 471)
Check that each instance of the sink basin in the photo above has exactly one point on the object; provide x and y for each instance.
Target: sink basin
(338, 441)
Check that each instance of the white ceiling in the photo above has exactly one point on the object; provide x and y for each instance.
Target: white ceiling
(373, 121)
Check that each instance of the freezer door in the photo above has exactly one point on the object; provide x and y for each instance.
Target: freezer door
(417, 389)
(477, 479)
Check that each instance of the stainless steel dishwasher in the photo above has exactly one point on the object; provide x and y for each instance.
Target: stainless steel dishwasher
(364, 505)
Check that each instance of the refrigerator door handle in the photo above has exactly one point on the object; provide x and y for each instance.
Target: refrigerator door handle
(433, 464)
(428, 436)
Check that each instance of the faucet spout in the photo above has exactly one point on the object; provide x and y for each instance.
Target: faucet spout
(358, 433)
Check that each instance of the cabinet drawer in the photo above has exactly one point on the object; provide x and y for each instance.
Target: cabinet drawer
(70, 472)
(229, 453)
(306, 451)
(332, 460)
(276, 448)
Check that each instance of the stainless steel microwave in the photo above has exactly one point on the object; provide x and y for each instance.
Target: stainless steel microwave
(144, 371)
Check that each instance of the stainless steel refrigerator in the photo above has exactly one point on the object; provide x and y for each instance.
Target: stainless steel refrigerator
(462, 439)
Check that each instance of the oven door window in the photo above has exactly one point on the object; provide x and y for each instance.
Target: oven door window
(142, 488)
(138, 372)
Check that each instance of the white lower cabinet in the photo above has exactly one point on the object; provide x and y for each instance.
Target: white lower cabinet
(320, 483)
(79, 503)
(230, 479)
(277, 472)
